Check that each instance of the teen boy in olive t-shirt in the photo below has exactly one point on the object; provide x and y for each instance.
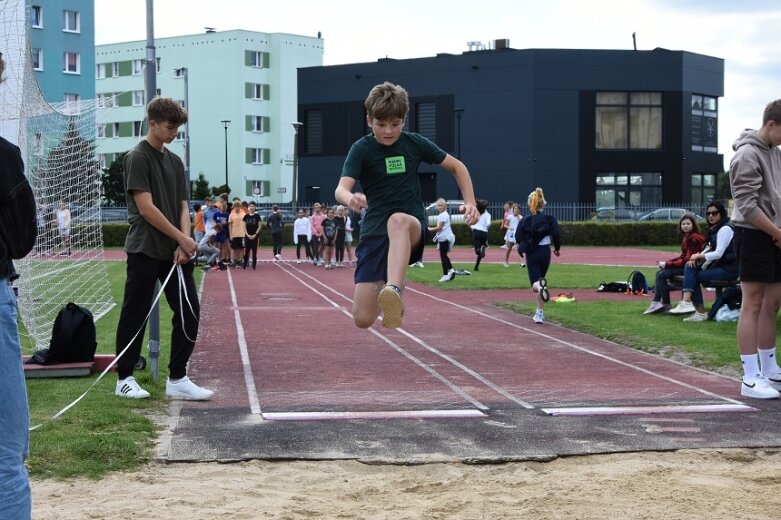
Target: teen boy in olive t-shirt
(394, 229)
(157, 197)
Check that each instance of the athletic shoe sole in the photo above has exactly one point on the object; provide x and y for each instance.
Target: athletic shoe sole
(392, 307)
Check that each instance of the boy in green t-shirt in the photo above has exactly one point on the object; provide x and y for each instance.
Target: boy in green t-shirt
(157, 194)
(394, 228)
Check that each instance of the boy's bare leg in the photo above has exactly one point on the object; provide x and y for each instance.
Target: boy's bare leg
(404, 233)
(365, 305)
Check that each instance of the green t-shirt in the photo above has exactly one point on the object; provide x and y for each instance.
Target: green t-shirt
(161, 174)
(389, 177)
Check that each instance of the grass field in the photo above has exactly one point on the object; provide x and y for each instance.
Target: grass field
(103, 433)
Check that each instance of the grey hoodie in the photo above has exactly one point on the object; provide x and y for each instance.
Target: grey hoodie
(755, 178)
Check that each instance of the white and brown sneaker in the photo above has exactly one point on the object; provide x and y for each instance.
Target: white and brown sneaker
(391, 305)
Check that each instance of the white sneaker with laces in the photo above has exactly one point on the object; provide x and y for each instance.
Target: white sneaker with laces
(445, 278)
(129, 388)
(697, 316)
(451, 274)
(186, 390)
(538, 317)
(774, 379)
(758, 388)
(277, 257)
(654, 307)
(683, 308)
(505, 264)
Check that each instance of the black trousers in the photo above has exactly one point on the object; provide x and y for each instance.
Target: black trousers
(142, 273)
(250, 249)
(339, 246)
(443, 247)
(302, 240)
(276, 241)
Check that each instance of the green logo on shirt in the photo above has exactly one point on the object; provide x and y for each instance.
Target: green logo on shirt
(395, 165)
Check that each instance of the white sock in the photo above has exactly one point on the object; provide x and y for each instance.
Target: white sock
(767, 359)
(750, 365)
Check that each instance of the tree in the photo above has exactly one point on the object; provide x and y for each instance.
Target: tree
(200, 189)
(723, 189)
(113, 182)
(219, 190)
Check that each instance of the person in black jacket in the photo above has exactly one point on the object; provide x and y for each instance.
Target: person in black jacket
(17, 238)
(534, 236)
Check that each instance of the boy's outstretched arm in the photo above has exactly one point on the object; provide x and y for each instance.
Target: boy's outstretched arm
(344, 195)
(464, 181)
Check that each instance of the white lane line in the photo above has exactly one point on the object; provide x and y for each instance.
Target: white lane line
(391, 414)
(455, 388)
(639, 410)
(584, 349)
(249, 380)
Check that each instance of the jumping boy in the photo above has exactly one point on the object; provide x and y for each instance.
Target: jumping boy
(394, 229)
(157, 194)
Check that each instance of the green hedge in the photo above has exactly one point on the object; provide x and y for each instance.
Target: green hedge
(572, 233)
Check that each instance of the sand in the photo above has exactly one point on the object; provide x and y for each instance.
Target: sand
(708, 483)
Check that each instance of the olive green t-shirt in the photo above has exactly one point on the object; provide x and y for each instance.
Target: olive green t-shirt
(161, 174)
(389, 177)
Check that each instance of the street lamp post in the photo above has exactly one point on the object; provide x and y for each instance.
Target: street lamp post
(296, 126)
(225, 124)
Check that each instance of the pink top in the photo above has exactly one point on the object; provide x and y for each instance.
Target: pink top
(317, 223)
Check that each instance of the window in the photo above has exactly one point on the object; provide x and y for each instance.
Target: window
(157, 60)
(257, 91)
(101, 131)
(179, 73)
(72, 63)
(703, 189)
(705, 124)
(106, 100)
(100, 71)
(260, 123)
(71, 103)
(115, 69)
(102, 161)
(115, 129)
(426, 120)
(38, 145)
(628, 190)
(629, 121)
(258, 155)
(71, 21)
(37, 57)
(181, 135)
(258, 59)
(137, 125)
(138, 67)
(36, 16)
(313, 132)
(138, 98)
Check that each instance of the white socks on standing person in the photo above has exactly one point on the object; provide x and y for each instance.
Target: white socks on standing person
(767, 360)
(761, 383)
(750, 364)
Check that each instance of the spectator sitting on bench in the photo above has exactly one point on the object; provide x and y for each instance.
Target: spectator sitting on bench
(692, 242)
(718, 263)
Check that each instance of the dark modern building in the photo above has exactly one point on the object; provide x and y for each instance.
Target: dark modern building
(605, 127)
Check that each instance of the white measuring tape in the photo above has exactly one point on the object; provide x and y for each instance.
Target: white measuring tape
(182, 292)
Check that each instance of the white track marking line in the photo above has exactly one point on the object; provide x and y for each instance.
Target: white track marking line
(455, 388)
(392, 414)
(584, 349)
(638, 410)
(249, 380)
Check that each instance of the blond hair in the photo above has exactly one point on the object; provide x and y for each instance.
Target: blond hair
(536, 201)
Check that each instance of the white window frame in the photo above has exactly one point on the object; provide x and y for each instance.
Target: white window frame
(257, 156)
(138, 98)
(65, 62)
(257, 59)
(67, 15)
(72, 100)
(137, 127)
(181, 135)
(115, 69)
(257, 91)
(138, 67)
(100, 71)
(36, 13)
(101, 133)
(116, 130)
(257, 124)
(39, 54)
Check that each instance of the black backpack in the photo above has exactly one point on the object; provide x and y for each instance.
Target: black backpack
(73, 338)
(637, 283)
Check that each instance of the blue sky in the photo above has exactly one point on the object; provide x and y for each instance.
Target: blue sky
(745, 36)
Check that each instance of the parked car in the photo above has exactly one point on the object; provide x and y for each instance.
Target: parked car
(456, 217)
(113, 214)
(667, 214)
(614, 214)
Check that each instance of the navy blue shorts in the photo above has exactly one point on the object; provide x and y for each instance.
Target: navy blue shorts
(537, 263)
(372, 255)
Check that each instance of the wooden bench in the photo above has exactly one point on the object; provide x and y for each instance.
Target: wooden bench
(676, 282)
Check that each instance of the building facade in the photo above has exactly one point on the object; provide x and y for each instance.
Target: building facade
(62, 47)
(240, 88)
(605, 127)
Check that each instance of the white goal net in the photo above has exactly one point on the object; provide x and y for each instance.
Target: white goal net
(58, 147)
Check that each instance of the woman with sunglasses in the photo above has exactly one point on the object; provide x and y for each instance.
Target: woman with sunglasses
(717, 263)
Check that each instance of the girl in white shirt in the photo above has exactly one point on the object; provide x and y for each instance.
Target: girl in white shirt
(302, 235)
(480, 231)
(509, 238)
(444, 238)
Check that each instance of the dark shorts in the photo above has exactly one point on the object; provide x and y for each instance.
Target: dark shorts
(372, 255)
(758, 257)
(237, 243)
(328, 242)
(537, 263)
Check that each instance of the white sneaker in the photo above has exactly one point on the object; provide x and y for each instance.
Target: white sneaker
(538, 317)
(451, 274)
(445, 278)
(186, 390)
(655, 307)
(683, 308)
(129, 388)
(277, 257)
(774, 379)
(758, 388)
(697, 316)
(298, 261)
(505, 264)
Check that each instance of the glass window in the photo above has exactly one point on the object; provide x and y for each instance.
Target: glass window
(259, 124)
(256, 59)
(115, 69)
(628, 190)
(257, 156)
(100, 71)
(72, 62)
(138, 98)
(116, 130)
(36, 16)
(71, 103)
(704, 123)
(72, 21)
(101, 131)
(628, 121)
(137, 125)
(37, 58)
(703, 189)
(138, 67)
